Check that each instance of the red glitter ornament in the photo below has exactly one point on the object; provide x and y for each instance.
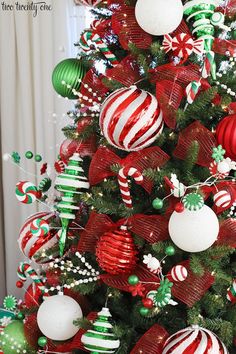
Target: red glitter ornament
(148, 303)
(226, 135)
(19, 284)
(116, 252)
(179, 208)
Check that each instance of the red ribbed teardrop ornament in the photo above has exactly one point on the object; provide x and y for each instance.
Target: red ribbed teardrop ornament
(226, 135)
(116, 252)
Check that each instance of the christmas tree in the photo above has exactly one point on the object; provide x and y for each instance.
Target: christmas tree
(136, 249)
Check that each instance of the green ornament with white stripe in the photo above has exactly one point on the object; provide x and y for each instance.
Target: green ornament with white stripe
(193, 201)
(71, 183)
(101, 338)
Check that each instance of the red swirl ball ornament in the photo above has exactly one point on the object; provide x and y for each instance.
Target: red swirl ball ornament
(194, 340)
(116, 252)
(226, 135)
(131, 119)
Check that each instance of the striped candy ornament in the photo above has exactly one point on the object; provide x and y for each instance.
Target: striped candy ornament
(131, 119)
(89, 38)
(123, 175)
(165, 300)
(91, 3)
(222, 199)
(178, 273)
(26, 192)
(101, 338)
(209, 64)
(194, 340)
(71, 184)
(183, 45)
(192, 90)
(32, 245)
(25, 270)
(39, 227)
(231, 293)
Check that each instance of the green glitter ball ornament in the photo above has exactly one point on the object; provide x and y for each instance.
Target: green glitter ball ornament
(42, 341)
(13, 339)
(144, 311)
(170, 251)
(67, 77)
(157, 203)
(133, 280)
(38, 158)
(29, 155)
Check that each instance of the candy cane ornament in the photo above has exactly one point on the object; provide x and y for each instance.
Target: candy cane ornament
(123, 175)
(25, 270)
(89, 38)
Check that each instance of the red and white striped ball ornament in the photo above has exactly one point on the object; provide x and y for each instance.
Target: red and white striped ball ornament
(178, 273)
(222, 199)
(131, 119)
(91, 3)
(34, 237)
(192, 340)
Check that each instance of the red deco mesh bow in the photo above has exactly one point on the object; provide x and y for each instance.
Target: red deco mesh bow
(227, 234)
(196, 132)
(105, 158)
(153, 228)
(124, 24)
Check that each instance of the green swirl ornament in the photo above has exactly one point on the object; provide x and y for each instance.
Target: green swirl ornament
(101, 338)
(71, 183)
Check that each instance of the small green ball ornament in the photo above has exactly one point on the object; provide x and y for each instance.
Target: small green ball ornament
(38, 158)
(133, 280)
(170, 251)
(13, 339)
(144, 311)
(29, 155)
(67, 77)
(157, 203)
(20, 316)
(42, 341)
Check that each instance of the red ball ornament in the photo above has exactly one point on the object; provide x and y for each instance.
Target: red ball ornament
(179, 207)
(19, 284)
(116, 252)
(226, 135)
(148, 303)
(67, 149)
(131, 119)
(194, 340)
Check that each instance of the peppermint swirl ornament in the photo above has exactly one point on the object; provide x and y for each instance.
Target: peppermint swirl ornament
(10, 303)
(162, 296)
(131, 119)
(101, 338)
(194, 339)
(39, 227)
(26, 192)
(193, 201)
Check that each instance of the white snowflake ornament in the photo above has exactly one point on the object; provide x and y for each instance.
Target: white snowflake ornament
(152, 263)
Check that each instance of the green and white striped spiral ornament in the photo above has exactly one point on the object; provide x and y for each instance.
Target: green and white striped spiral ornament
(71, 183)
(101, 338)
(193, 201)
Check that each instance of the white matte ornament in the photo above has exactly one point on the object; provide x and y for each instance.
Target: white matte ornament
(194, 231)
(56, 315)
(159, 17)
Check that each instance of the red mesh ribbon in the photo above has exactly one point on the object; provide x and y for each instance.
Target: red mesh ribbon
(31, 330)
(221, 46)
(152, 228)
(93, 81)
(227, 234)
(205, 138)
(231, 8)
(193, 288)
(182, 28)
(121, 281)
(128, 30)
(104, 158)
(126, 72)
(169, 95)
(152, 341)
(76, 343)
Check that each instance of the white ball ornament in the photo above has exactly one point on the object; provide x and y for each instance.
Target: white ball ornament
(159, 17)
(194, 231)
(56, 315)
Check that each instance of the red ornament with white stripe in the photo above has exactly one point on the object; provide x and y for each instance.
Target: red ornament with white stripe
(194, 339)
(33, 243)
(131, 119)
(222, 199)
(91, 3)
(231, 293)
(178, 273)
